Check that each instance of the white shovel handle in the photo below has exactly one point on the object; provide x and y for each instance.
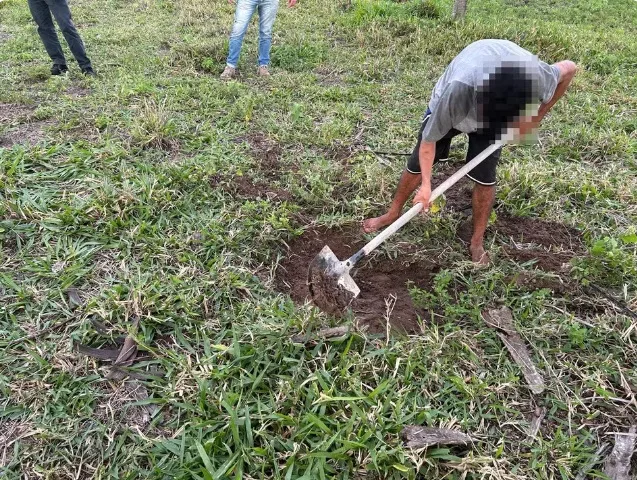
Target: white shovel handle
(442, 188)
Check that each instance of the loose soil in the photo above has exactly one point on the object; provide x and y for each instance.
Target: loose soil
(539, 232)
(383, 282)
(458, 197)
(551, 245)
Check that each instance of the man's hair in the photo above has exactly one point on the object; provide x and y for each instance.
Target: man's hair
(504, 95)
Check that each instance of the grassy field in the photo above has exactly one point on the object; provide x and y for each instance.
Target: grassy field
(158, 202)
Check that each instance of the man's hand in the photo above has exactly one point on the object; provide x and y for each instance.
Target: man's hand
(423, 195)
(527, 127)
(291, 3)
(230, 2)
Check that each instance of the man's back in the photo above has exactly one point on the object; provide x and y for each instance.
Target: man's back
(473, 65)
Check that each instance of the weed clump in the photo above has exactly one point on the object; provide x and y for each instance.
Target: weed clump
(154, 128)
(425, 9)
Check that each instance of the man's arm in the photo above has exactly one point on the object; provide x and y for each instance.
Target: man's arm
(568, 70)
(426, 154)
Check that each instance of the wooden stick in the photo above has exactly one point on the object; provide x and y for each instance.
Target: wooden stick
(415, 436)
(502, 319)
(617, 464)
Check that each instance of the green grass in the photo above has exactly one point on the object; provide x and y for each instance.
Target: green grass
(116, 201)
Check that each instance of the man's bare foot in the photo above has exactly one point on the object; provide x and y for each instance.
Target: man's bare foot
(479, 255)
(372, 224)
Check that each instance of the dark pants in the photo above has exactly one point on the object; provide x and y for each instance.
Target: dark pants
(41, 11)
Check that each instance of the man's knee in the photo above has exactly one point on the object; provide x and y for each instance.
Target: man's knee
(238, 29)
(67, 26)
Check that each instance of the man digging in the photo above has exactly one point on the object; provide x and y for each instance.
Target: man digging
(492, 85)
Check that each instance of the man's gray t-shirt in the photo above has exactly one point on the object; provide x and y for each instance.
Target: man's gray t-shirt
(453, 100)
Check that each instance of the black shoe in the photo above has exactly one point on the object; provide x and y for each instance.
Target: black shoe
(59, 69)
(89, 72)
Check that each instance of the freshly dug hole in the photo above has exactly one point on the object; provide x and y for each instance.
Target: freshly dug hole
(383, 282)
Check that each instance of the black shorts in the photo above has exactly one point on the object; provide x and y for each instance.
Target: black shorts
(483, 174)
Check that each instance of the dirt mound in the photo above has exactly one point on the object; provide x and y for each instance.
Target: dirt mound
(383, 282)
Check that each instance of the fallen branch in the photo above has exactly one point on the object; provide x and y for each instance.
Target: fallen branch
(617, 464)
(539, 415)
(420, 437)
(502, 319)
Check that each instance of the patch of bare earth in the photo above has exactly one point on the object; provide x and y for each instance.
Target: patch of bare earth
(329, 77)
(384, 299)
(458, 197)
(266, 151)
(19, 127)
(549, 245)
(12, 431)
(246, 188)
(76, 91)
(11, 113)
(117, 405)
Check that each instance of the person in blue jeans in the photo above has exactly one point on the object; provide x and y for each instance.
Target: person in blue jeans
(243, 13)
(43, 12)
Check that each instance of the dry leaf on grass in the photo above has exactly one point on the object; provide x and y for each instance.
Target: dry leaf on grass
(419, 437)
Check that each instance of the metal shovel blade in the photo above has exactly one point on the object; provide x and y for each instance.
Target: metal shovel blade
(331, 286)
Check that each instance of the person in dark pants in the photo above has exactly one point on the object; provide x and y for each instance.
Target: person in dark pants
(43, 12)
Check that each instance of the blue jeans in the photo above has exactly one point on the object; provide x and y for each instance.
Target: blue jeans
(243, 14)
(41, 11)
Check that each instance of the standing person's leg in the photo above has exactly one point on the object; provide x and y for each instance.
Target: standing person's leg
(267, 14)
(42, 17)
(62, 14)
(409, 180)
(242, 15)
(483, 197)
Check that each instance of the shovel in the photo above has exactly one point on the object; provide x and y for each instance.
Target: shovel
(329, 280)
